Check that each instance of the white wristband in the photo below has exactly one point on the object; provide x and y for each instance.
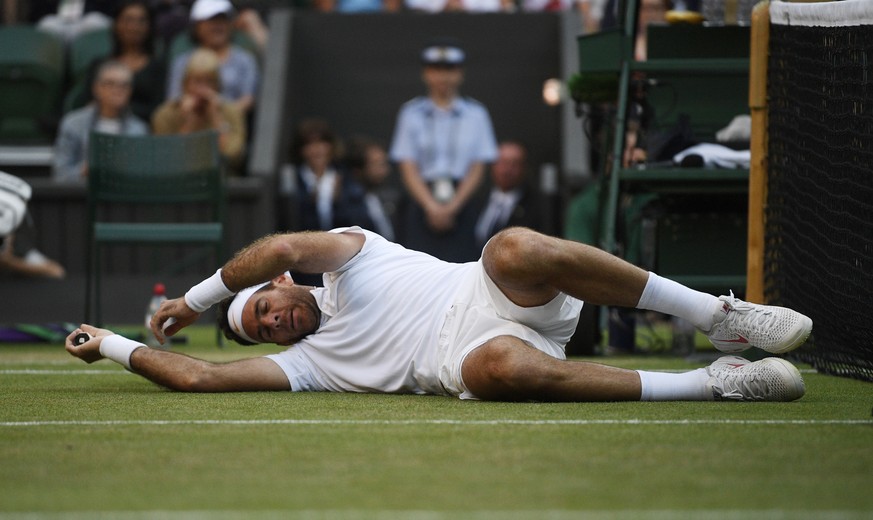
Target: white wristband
(207, 293)
(118, 349)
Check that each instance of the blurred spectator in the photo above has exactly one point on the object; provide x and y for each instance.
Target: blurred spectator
(212, 29)
(472, 6)
(133, 43)
(108, 113)
(352, 6)
(442, 143)
(587, 10)
(27, 261)
(171, 19)
(323, 6)
(368, 163)
(249, 21)
(74, 17)
(326, 193)
(650, 11)
(368, 6)
(16, 252)
(10, 12)
(511, 202)
(200, 106)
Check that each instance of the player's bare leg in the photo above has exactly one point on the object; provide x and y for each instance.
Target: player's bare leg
(531, 268)
(507, 369)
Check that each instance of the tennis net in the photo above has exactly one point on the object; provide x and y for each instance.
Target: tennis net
(819, 212)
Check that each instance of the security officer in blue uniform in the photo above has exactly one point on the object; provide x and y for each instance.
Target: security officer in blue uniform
(442, 144)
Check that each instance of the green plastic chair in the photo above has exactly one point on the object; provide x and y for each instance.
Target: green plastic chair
(31, 80)
(137, 188)
(88, 47)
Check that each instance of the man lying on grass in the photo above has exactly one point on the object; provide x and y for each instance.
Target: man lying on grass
(392, 320)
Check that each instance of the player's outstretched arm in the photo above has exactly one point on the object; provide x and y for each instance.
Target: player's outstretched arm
(177, 371)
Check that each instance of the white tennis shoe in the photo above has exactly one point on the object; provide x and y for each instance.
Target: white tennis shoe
(742, 325)
(733, 378)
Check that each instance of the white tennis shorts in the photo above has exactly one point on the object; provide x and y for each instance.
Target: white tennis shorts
(482, 312)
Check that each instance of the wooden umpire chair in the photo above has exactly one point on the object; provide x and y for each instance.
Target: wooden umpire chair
(138, 187)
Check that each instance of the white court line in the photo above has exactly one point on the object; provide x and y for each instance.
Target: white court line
(39, 372)
(450, 422)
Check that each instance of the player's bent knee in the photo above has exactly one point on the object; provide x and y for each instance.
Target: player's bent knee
(512, 242)
(508, 250)
(496, 370)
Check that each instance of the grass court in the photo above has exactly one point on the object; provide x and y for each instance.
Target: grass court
(94, 441)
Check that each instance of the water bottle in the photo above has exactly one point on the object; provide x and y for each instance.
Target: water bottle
(159, 296)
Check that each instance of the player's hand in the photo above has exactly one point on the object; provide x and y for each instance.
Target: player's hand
(89, 351)
(173, 316)
(440, 218)
(188, 104)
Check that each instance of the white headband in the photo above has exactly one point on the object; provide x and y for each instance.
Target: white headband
(235, 310)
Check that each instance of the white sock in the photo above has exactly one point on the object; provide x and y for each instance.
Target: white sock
(665, 295)
(663, 386)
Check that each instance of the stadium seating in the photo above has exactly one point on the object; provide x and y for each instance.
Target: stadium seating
(86, 48)
(31, 83)
(138, 188)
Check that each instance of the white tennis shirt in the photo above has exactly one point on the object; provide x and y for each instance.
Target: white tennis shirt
(382, 313)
